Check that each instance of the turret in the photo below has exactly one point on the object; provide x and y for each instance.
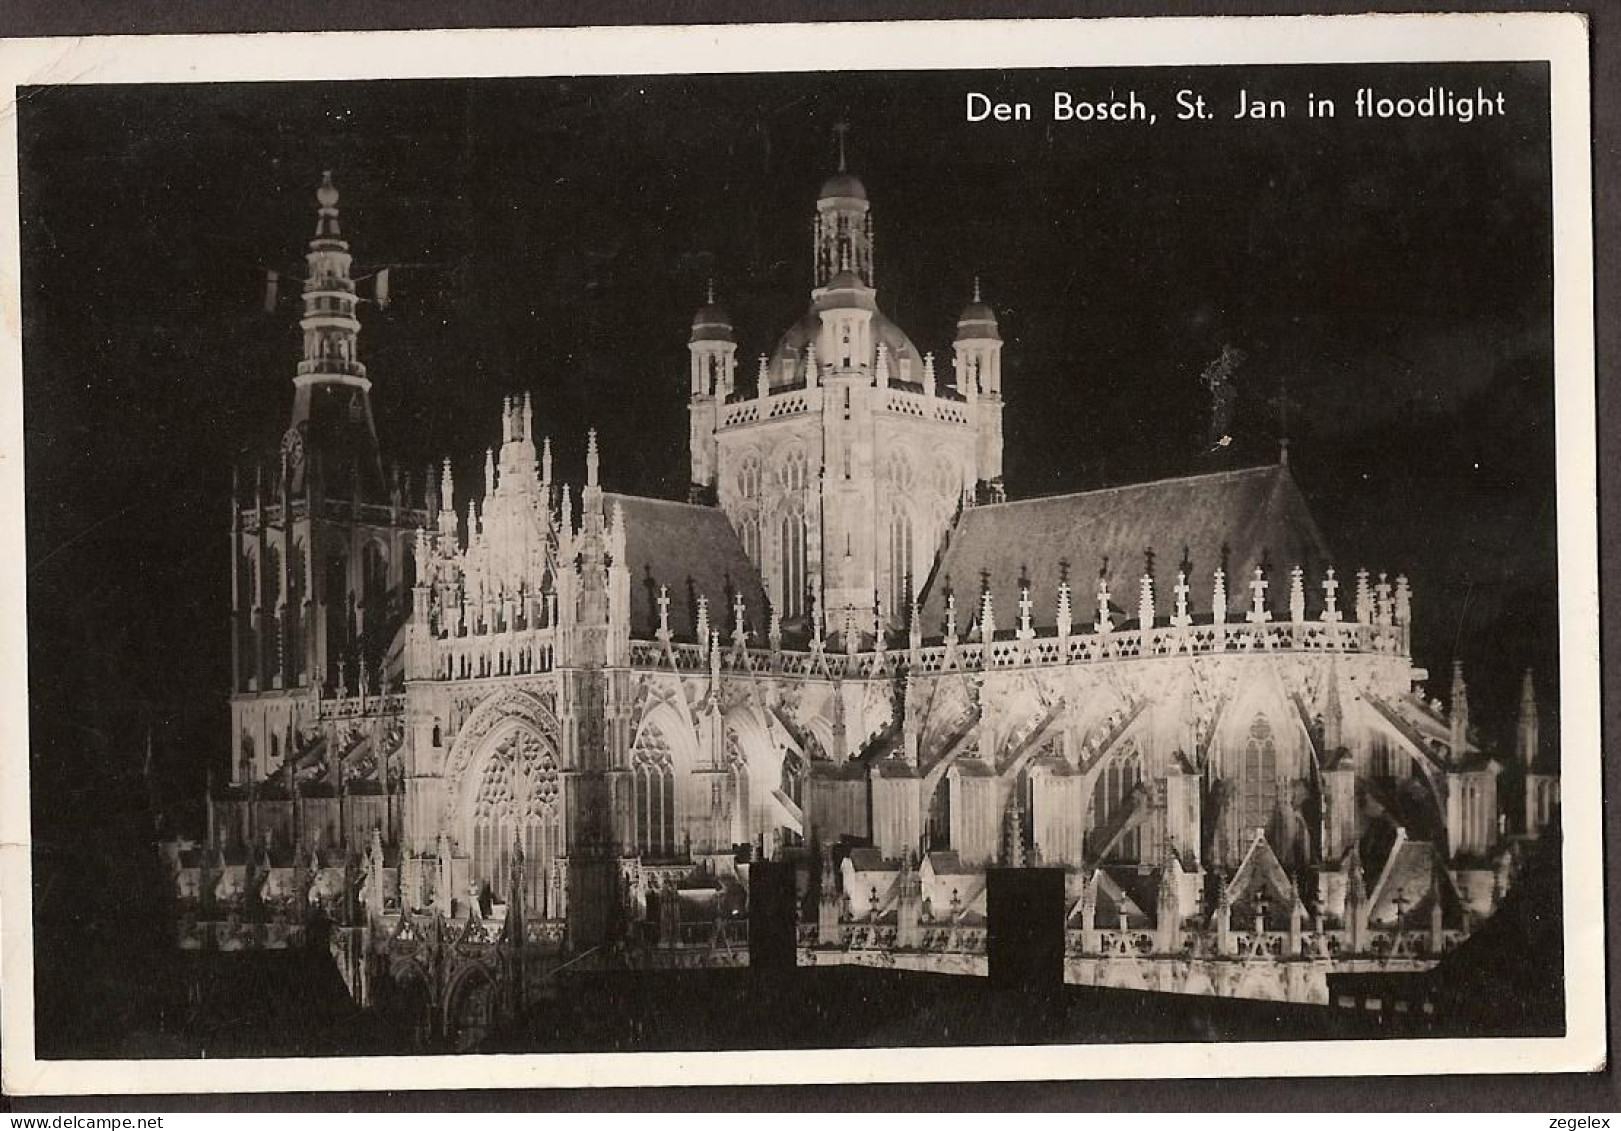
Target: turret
(843, 230)
(978, 364)
(712, 370)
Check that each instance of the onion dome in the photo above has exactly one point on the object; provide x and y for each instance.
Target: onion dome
(712, 323)
(977, 320)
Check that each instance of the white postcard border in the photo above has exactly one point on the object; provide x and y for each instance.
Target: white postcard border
(1560, 39)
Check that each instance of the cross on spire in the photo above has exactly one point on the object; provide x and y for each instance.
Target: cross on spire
(1181, 591)
(664, 612)
(1331, 600)
(1258, 588)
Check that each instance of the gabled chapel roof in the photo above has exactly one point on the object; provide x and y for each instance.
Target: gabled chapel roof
(1258, 514)
(693, 551)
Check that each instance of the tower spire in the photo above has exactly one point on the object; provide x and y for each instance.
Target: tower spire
(331, 393)
(842, 128)
(330, 326)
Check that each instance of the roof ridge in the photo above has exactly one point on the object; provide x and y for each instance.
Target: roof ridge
(1230, 473)
(655, 499)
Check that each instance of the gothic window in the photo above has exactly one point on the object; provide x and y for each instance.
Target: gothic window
(654, 793)
(1258, 778)
(408, 568)
(947, 482)
(900, 559)
(270, 617)
(375, 577)
(793, 777)
(336, 596)
(792, 545)
(518, 800)
(750, 532)
(1381, 759)
(247, 580)
(791, 470)
(748, 477)
(901, 475)
(1114, 785)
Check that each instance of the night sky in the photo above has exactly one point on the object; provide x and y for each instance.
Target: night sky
(556, 235)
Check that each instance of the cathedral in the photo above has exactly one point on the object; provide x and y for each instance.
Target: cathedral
(533, 717)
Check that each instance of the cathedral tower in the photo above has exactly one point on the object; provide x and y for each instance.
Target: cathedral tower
(845, 463)
(321, 535)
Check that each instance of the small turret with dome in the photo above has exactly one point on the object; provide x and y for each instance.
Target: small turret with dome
(712, 323)
(712, 369)
(978, 320)
(978, 362)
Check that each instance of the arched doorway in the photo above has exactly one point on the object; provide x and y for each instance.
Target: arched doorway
(470, 1011)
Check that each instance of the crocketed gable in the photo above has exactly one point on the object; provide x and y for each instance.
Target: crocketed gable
(1257, 514)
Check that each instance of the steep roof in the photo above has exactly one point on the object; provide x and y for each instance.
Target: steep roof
(1257, 514)
(1418, 874)
(694, 551)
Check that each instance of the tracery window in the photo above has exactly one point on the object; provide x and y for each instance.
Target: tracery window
(748, 477)
(792, 575)
(947, 482)
(519, 797)
(374, 574)
(792, 470)
(793, 777)
(653, 779)
(900, 560)
(1258, 777)
(1114, 785)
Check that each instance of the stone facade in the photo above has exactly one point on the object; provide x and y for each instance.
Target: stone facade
(559, 719)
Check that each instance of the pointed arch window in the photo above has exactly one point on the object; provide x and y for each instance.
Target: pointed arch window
(749, 477)
(653, 786)
(518, 800)
(792, 576)
(750, 532)
(792, 470)
(900, 561)
(1258, 777)
(1109, 799)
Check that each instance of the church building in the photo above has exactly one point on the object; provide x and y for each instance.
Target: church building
(537, 716)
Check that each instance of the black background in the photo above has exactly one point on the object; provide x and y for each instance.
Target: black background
(565, 235)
